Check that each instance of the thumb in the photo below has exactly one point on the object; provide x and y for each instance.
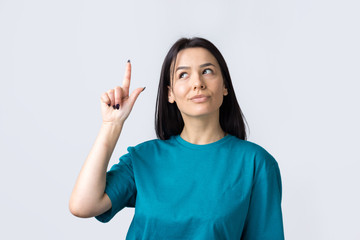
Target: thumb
(134, 95)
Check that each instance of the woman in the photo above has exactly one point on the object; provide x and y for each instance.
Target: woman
(201, 179)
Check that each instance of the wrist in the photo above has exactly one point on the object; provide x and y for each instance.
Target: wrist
(113, 125)
(111, 130)
(109, 133)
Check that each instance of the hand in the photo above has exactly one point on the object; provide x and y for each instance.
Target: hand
(116, 104)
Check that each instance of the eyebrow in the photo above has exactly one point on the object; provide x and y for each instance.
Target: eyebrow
(201, 66)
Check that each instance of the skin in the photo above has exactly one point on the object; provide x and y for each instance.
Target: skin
(198, 72)
(88, 198)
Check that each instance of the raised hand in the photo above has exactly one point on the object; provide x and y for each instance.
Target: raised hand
(116, 104)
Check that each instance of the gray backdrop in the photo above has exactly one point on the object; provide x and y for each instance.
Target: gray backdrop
(294, 65)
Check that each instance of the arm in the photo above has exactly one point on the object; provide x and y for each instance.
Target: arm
(264, 217)
(88, 198)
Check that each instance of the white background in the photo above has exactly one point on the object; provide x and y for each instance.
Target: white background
(294, 66)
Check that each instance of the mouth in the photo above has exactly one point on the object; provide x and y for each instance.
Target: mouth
(199, 98)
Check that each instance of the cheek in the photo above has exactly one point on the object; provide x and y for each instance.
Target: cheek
(219, 99)
(180, 91)
(219, 93)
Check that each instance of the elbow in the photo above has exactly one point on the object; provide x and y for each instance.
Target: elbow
(78, 209)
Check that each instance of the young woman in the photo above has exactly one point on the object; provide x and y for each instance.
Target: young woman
(201, 179)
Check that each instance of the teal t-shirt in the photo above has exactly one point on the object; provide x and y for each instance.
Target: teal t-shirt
(228, 189)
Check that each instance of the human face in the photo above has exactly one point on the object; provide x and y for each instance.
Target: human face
(197, 85)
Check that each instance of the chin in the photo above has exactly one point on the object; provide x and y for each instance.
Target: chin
(200, 113)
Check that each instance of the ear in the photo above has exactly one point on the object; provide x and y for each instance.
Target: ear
(225, 91)
(170, 95)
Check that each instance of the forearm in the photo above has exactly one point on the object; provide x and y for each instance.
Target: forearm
(90, 185)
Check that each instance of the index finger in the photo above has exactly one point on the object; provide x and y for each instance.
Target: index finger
(127, 77)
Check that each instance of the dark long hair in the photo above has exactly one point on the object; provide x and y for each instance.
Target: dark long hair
(168, 119)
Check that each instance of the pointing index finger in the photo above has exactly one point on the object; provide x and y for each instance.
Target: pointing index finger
(127, 77)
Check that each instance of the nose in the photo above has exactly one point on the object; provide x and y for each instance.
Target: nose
(198, 83)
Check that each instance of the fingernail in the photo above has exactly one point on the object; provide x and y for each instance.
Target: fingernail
(117, 106)
(128, 61)
(114, 107)
(143, 89)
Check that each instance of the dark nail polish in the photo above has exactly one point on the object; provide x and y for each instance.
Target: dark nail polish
(128, 61)
(117, 106)
(114, 107)
(144, 89)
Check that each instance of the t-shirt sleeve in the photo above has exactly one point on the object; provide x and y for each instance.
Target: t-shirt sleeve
(264, 218)
(120, 187)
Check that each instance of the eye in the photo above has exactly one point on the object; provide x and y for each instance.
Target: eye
(207, 71)
(182, 75)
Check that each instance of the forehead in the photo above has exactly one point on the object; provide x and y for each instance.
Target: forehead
(194, 56)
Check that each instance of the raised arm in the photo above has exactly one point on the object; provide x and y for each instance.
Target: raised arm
(88, 198)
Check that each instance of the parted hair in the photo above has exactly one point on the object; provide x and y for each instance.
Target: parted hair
(168, 119)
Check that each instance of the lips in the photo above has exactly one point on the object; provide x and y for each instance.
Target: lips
(198, 96)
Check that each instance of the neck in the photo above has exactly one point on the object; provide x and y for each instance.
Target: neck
(202, 130)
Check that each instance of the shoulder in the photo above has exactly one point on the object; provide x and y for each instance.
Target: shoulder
(149, 146)
(250, 148)
(258, 156)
